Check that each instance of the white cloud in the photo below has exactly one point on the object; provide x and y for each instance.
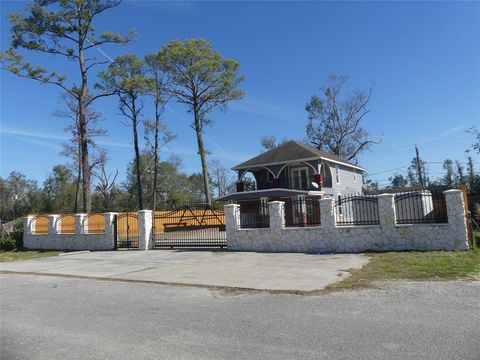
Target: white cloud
(22, 133)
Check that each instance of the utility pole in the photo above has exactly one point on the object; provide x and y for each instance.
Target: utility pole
(419, 169)
(471, 173)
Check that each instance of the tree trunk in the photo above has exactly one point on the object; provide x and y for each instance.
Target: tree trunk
(201, 151)
(153, 202)
(83, 133)
(79, 177)
(137, 159)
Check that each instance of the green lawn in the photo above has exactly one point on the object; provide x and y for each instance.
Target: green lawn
(432, 265)
(14, 255)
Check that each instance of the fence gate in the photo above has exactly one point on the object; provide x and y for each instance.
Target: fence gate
(126, 231)
(192, 225)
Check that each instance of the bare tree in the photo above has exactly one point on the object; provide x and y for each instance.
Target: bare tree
(73, 148)
(476, 133)
(271, 142)
(106, 183)
(220, 178)
(334, 123)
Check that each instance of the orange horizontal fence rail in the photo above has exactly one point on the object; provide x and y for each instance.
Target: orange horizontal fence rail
(40, 224)
(187, 217)
(66, 224)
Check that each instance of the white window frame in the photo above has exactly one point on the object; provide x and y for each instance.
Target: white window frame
(337, 174)
(299, 169)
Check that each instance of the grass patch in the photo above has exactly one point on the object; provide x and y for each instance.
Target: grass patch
(432, 265)
(14, 255)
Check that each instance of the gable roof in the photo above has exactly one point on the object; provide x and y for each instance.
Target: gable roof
(292, 151)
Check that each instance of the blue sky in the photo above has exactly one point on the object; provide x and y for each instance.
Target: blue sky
(423, 57)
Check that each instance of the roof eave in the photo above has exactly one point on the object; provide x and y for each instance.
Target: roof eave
(240, 167)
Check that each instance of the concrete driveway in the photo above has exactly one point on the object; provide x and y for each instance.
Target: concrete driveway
(297, 272)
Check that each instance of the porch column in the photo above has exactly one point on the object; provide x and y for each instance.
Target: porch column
(145, 229)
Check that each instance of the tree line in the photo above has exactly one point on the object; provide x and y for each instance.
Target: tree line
(20, 196)
(455, 174)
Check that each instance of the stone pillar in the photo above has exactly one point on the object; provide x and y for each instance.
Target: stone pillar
(386, 210)
(52, 224)
(327, 213)
(276, 211)
(81, 226)
(232, 222)
(232, 216)
(145, 219)
(28, 225)
(109, 226)
(456, 218)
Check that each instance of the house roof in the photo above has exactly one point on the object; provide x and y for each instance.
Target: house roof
(292, 151)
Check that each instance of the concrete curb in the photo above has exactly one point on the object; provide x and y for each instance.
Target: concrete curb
(228, 289)
(74, 252)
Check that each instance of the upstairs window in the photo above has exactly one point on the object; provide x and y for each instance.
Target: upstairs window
(337, 174)
(354, 175)
(299, 178)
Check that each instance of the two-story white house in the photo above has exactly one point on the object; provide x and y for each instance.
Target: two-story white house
(297, 174)
(296, 169)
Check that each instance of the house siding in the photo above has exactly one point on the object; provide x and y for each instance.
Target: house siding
(347, 183)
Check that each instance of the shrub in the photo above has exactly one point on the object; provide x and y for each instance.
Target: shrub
(7, 243)
(476, 238)
(12, 241)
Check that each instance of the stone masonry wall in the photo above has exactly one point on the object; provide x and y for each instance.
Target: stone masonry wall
(81, 240)
(329, 238)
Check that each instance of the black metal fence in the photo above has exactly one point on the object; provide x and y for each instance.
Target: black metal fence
(356, 210)
(420, 207)
(254, 214)
(302, 212)
(192, 225)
